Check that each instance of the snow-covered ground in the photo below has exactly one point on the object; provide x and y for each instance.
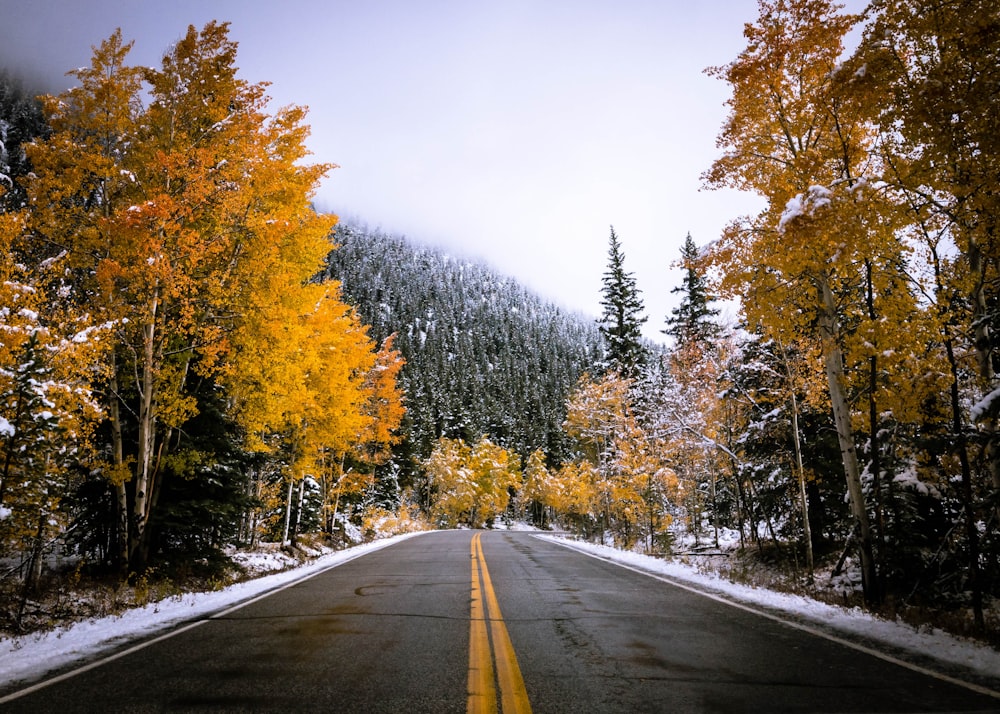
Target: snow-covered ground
(27, 658)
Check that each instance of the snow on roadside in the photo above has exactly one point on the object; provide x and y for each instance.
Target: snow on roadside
(933, 643)
(29, 657)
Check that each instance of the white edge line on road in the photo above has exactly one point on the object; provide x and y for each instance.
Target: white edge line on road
(190, 626)
(790, 623)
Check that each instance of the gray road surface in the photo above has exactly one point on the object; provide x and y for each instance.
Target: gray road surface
(390, 632)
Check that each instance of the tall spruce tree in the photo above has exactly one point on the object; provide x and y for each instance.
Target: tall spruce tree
(692, 322)
(622, 320)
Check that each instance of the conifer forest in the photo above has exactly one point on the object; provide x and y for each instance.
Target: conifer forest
(193, 359)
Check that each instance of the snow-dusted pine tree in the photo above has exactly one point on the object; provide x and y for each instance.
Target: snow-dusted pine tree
(622, 319)
(693, 320)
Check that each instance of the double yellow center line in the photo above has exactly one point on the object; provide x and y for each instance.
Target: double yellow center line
(482, 683)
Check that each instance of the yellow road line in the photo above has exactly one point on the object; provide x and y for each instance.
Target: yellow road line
(482, 691)
(513, 696)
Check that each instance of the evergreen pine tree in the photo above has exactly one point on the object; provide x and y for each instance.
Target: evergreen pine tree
(621, 323)
(691, 322)
(21, 121)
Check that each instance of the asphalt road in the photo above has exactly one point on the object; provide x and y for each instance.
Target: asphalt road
(433, 624)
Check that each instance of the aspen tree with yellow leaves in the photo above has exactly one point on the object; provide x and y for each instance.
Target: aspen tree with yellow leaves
(795, 137)
(686, 413)
(324, 423)
(596, 414)
(622, 470)
(181, 209)
(449, 481)
(573, 496)
(596, 418)
(567, 494)
(384, 406)
(471, 484)
(646, 488)
(378, 430)
(538, 483)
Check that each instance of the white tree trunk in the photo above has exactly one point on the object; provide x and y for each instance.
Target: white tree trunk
(288, 513)
(147, 428)
(834, 363)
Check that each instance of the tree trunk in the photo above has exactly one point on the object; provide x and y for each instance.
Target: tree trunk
(741, 504)
(803, 498)
(288, 513)
(715, 504)
(325, 490)
(752, 514)
(649, 534)
(799, 468)
(961, 446)
(254, 513)
(876, 456)
(144, 459)
(968, 505)
(298, 512)
(834, 364)
(33, 572)
(735, 470)
(118, 456)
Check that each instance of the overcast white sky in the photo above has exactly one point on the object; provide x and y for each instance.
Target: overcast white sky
(513, 131)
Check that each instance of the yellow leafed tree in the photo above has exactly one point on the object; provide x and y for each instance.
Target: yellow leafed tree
(183, 209)
(798, 135)
(48, 361)
(473, 484)
(623, 482)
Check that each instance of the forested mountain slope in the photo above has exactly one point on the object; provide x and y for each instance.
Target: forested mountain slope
(483, 355)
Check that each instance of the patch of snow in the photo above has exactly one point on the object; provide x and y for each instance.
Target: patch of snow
(49, 262)
(909, 479)
(500, 525)
(793, 209)
(804, 204)
(985, 406)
